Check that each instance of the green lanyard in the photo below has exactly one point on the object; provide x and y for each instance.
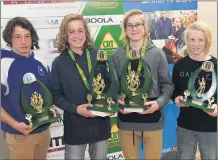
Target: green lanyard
(79, 68)
(143, 52)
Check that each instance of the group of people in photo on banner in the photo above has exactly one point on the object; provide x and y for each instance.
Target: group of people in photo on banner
(83, 83)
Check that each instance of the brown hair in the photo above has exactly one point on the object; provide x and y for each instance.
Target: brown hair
(62, 36)
(23, 23)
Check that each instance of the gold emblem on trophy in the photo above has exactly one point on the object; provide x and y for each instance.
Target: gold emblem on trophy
(89, 98)
(98, 86)
(136, 82)
(101, 56)
(134, 54)
(133, 82)
(36, 102)
(200, 90)
(103, 87)
(39, 109)
(186, 94)
(199, 97)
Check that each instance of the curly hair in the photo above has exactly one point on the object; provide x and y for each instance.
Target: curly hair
(62, 36)
(25, 24)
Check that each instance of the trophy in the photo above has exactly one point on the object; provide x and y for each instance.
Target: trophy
(104, 86)
(136, 83)
(198, 97)
(36, 101)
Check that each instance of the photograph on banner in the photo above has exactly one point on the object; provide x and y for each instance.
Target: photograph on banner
(50, 8)
(174, 47)
(166, 29)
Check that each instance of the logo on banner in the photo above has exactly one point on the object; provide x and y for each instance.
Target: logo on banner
(114, 141)
(56, 144)
(35, 2)
(100, 5)
(108, 44)
(99, 20)
(41, 22)
(115, 156)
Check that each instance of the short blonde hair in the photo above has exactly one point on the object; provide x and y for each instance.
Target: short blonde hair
(181, 18)
(128, 14)
(200, 26)
(62, 36)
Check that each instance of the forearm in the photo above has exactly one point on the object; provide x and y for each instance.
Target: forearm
(166, 85)
(164, 98)
(5, 117)
(59, 98)
(61, 102)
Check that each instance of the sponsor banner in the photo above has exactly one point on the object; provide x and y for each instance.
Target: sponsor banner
(150, 5)
(39, 22)
(57, 146)
(115, 156)
(103, 8)
(33, 2)
(171, 113)
(114, 141)
(42, 9)
(103, 20)
(108, 38)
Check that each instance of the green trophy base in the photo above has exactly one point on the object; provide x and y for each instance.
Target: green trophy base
(192, 103)
(132, 106)
(44, 120)
(102, 111)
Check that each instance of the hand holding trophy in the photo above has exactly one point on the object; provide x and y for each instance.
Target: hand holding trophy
(198, 97)
(104, 86)
(136, 82)
(36, 102)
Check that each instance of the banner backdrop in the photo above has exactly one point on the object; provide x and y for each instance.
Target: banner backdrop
(104, 20)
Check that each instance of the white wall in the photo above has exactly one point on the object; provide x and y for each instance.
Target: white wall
(207, 12)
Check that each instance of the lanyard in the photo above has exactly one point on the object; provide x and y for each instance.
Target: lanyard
(79, 68)
(143, 52)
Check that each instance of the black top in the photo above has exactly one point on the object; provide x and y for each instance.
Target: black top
(193, 118)
(69, 91)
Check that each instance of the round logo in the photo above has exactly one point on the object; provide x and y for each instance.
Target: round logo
(41, 70)
(208, 66)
